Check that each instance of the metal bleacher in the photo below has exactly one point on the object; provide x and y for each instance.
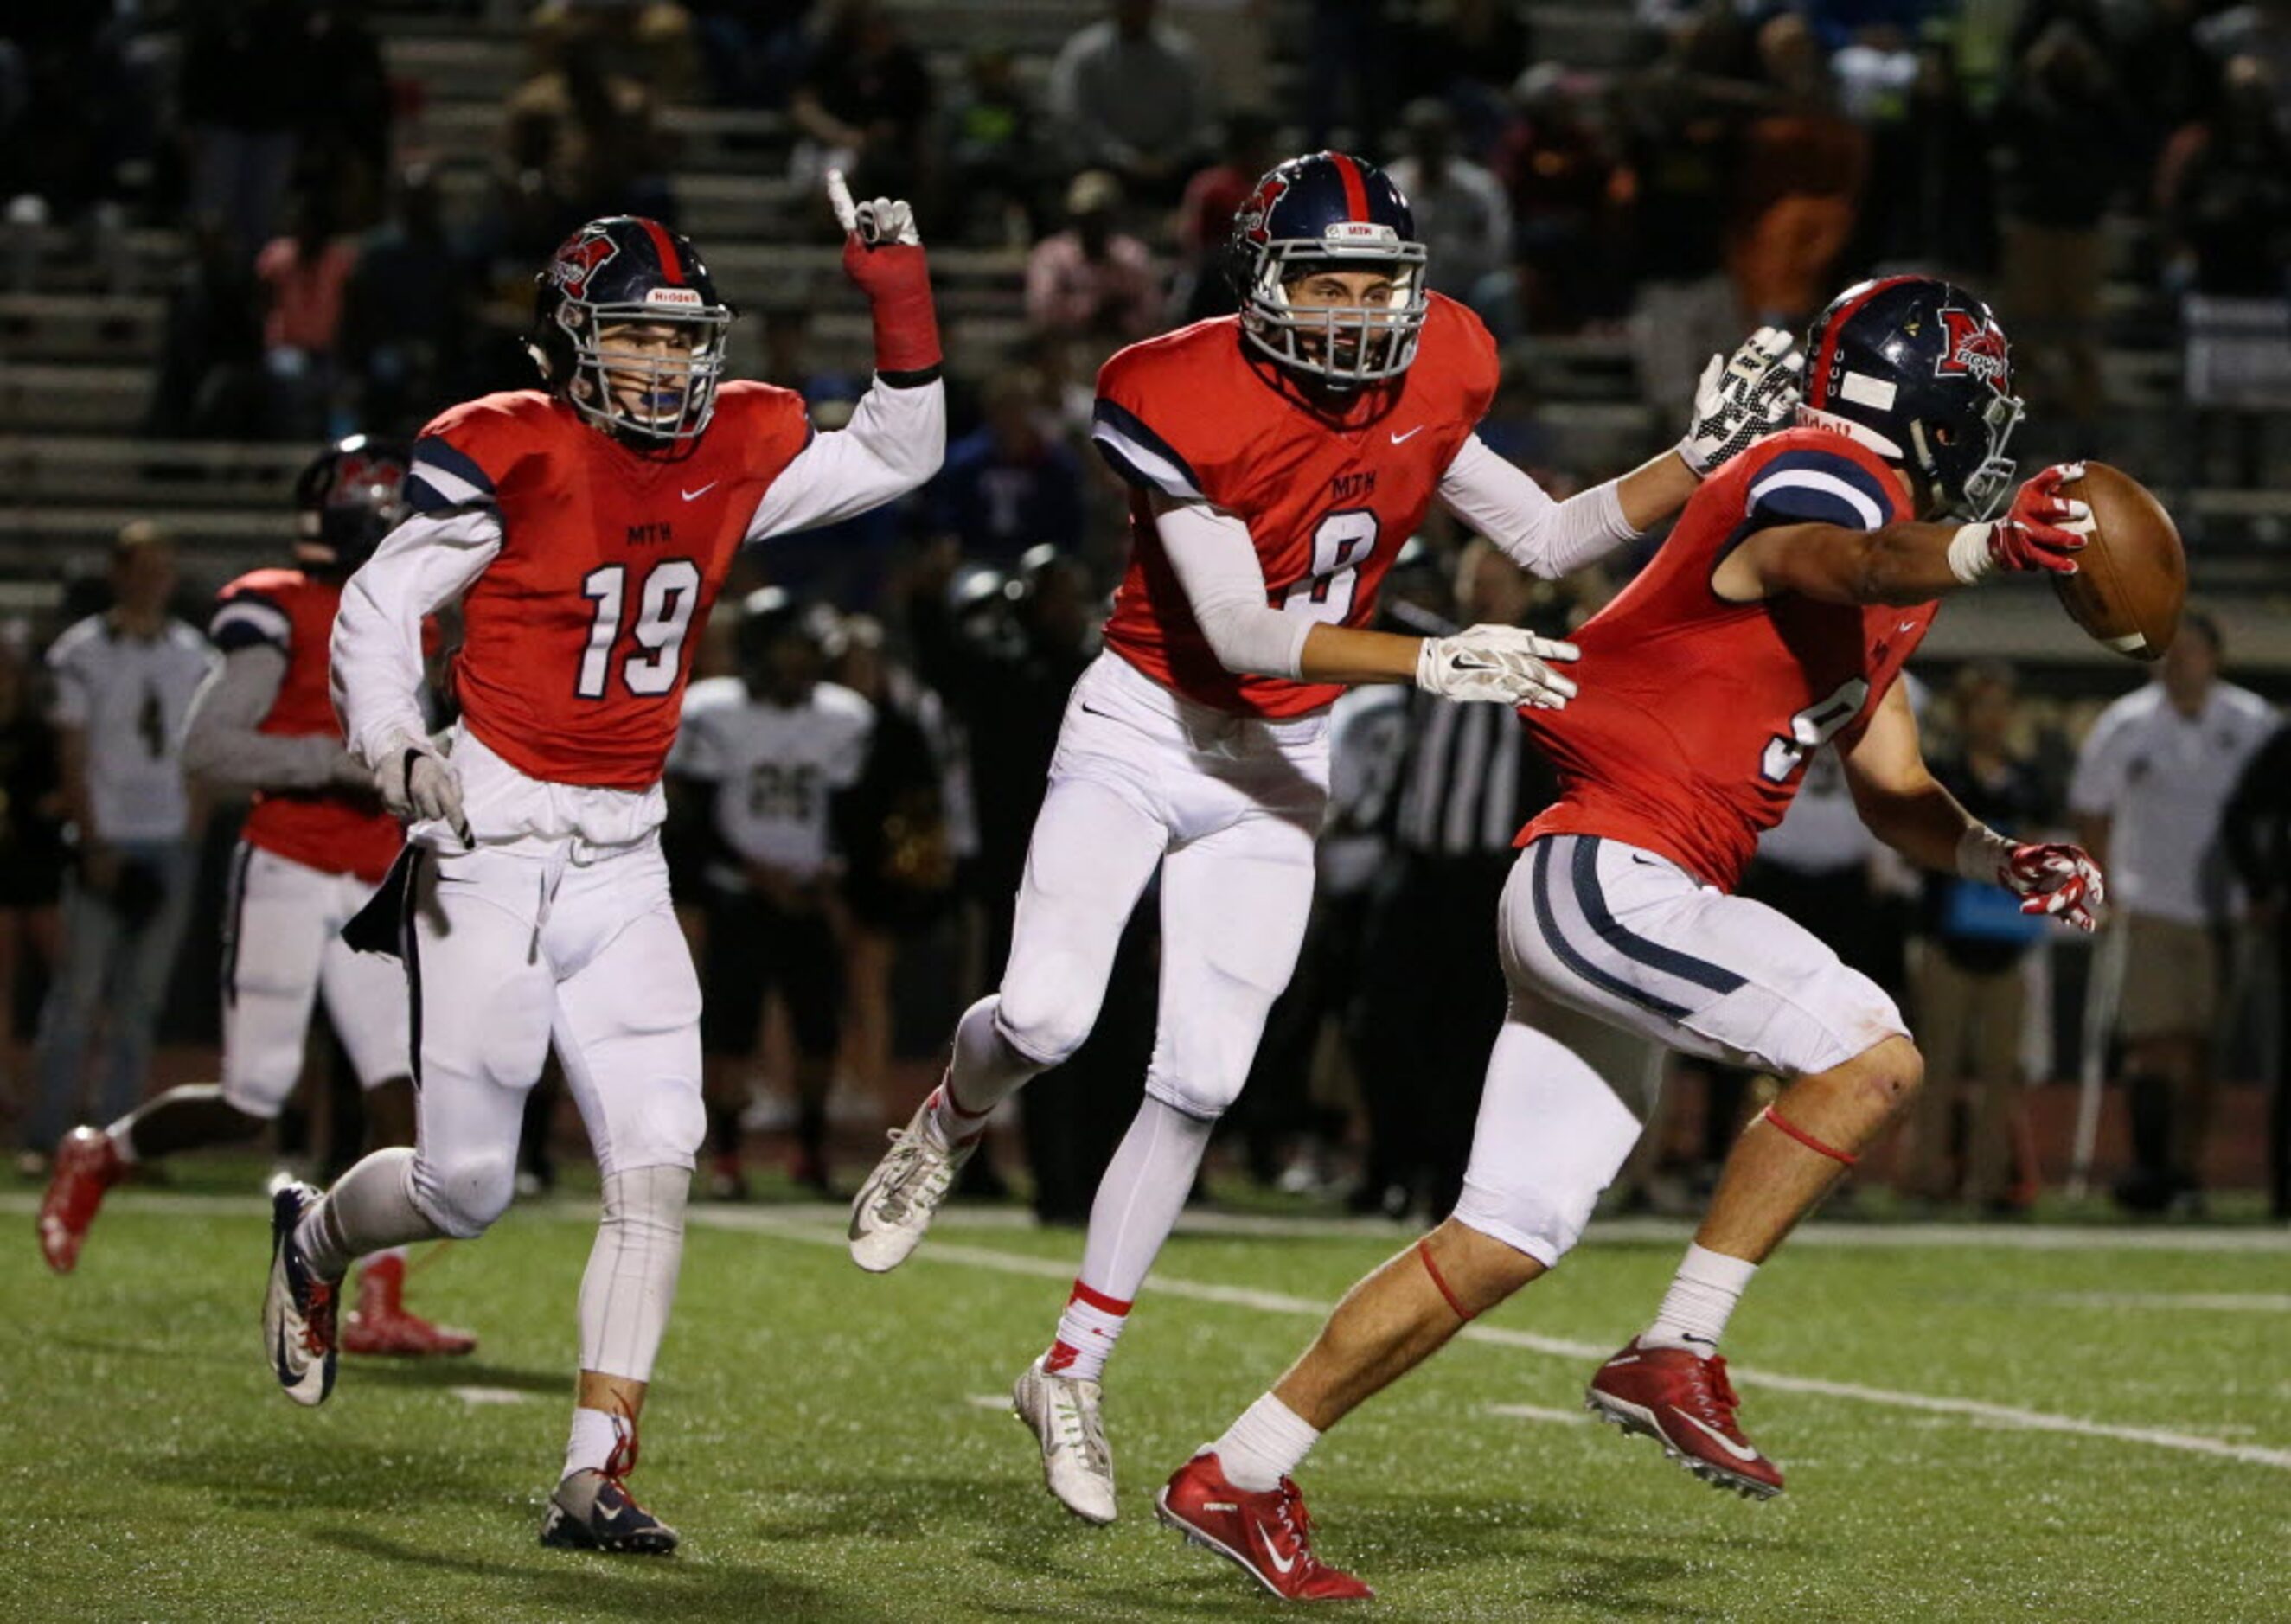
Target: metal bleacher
(80, 338)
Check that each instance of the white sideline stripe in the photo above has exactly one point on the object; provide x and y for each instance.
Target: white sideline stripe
(1273, 1302)
(1241, 1226)
(487, 1395)
(1538, 1412)
(1270, 1302)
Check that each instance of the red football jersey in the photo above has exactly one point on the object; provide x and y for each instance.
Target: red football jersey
(578, 637)
(1196, 414)
(1696, 716)
(339, 831)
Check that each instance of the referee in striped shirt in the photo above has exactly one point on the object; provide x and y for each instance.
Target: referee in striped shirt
(1431, 990)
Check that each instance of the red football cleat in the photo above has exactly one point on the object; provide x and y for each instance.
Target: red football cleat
(87, 1164)
(380, 1324)
(1266, 1534)
(1684, 1403)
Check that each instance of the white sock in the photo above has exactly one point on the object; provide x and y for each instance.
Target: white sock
(629, 1285)
(370, 1207)
(1087, 1333)
(595, 1434)
(983, 1071)
(121, 1135)
(1703, 1294)
(1267, 1442)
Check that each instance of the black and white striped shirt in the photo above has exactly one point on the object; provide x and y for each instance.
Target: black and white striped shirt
(1470, 780)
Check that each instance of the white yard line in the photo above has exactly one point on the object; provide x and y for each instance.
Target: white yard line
(2221, 1302)
(1538, 1412)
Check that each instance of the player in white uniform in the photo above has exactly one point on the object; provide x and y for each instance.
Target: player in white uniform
(1279, 460)
(752, 781)
(586, 530)
(315, 844)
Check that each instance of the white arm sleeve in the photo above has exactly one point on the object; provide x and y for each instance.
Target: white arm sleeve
(1543, 537)
(377, 666)
(223, 737)
(896, 439)
(1216, 562)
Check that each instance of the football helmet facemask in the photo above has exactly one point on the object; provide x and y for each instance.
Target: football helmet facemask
(626, 272)
(1329, 212)
(1919, 370)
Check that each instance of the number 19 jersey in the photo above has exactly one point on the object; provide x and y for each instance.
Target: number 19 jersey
(1696, 716)
(577, 638)
(1328, 500)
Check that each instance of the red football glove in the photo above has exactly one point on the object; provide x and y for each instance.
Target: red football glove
(2044, 530)
(883, 255)
(2058, 879)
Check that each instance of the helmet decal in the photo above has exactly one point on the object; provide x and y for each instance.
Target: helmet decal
(1973, 347)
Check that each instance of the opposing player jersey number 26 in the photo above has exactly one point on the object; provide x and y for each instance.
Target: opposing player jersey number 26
(1342, 541)
(670, 592)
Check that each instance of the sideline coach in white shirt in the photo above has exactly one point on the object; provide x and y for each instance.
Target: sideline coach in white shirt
(124, 681)
(2151, 783)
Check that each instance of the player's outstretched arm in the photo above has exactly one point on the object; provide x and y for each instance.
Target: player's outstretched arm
(1904, 806)
(224, 743)
(1910, 563)
(1215, 563)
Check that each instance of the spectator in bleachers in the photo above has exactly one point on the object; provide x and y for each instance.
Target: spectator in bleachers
(1468, 55)
(584, 137)
(1461, 212)
(1799, 182)
(241, 91)
(1932, 200)
(1133, 98)
(1012, 483)
(2223, 193)
(2061, 153)
(1091, 281)
(304, 277)
(2260, 28)
(992, 140)
(2151, 781)
(2256, 831)
(208, 384)
(407, 312)
(1561, 186)
(32, 853)
(1971, 995)
(1348, 50)
(344, 121)
(863, 106)
(1205, 214)
(752, 55)
(124, 681)
(652, 40)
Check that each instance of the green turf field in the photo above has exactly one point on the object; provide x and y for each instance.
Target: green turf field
(834, 1446)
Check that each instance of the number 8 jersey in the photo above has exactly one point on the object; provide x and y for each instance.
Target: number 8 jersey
(1696, 716)
(1328, 501)
(577, 638)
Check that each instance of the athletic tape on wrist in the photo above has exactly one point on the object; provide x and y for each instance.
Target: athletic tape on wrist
(1795, 1132)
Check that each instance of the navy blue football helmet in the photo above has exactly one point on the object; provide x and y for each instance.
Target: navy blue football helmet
(351, 496)
(1918, 370)
(1328, 211)
(625, 271)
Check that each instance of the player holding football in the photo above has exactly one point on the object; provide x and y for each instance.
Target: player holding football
(315, 844)
(586, 528)
(1774, 621)
(1279, 460)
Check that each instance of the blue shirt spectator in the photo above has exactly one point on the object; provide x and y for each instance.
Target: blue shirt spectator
(1010, 483)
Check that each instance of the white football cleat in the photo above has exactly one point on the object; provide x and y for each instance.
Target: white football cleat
(1077, 1465)
(893, 1208)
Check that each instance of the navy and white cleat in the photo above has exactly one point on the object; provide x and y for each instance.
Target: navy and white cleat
(298, 1311)
(594, 1511)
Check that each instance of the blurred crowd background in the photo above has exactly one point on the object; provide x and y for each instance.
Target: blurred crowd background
(237, 228)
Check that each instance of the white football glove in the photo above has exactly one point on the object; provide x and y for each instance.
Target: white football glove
(419, 784)
(1742, 399)
(884, 219)
(1504, 665)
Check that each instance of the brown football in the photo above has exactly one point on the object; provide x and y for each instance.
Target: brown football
(2132, 576)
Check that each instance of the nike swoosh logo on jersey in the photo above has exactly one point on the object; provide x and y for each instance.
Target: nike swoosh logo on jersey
(703, 491)
(1739, 1451)
(1401, 439)
(1906, 625)
(1273, 1555)
(1094, 711)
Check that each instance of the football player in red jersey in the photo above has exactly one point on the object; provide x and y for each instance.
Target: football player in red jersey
(315, 844)
(1774, 621)
(585, 528)
(1278, 460)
